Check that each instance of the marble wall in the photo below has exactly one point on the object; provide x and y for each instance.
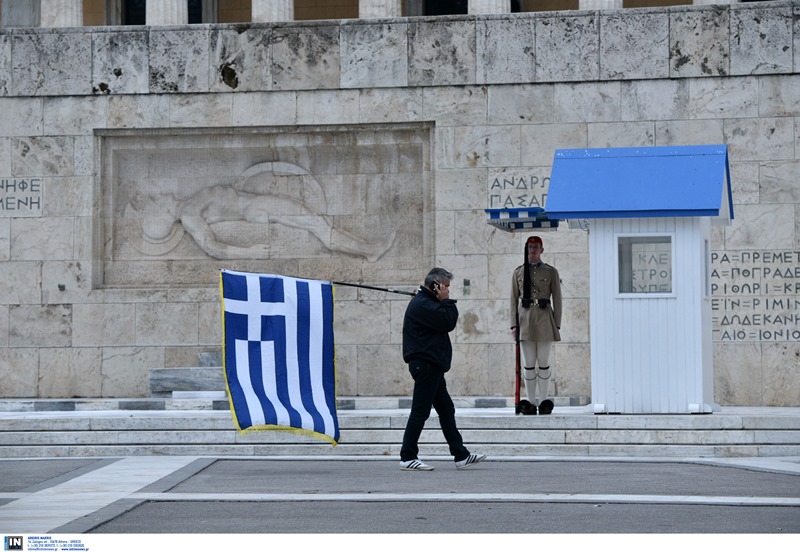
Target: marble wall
(374, 147)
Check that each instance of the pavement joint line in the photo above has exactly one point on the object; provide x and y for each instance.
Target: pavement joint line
(471, 497)
(447, 497)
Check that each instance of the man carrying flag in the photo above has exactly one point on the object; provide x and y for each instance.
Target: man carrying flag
(278, 353)
(430, 316)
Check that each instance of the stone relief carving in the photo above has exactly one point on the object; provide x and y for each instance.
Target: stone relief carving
(174, 206)
(265, 193)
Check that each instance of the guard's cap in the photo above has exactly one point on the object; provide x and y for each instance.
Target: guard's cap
(534, 239)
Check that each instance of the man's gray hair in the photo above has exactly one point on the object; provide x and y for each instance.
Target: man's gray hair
(437, 275)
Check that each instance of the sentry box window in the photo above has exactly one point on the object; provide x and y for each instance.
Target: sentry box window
(645, 264)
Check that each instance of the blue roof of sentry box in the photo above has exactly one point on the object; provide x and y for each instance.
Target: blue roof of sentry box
(666, 181)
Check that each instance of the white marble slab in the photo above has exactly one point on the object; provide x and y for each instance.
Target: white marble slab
(120, 63)
(374, 55)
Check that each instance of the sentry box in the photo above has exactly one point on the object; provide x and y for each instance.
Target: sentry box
(649, 212)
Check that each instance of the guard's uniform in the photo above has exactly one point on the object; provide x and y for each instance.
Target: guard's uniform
(538, 326)
(536, 323)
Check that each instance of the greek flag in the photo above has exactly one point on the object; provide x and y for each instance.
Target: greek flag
(278, 353)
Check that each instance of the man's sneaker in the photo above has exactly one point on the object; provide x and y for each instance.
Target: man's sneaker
(415, 465)
(469, 460)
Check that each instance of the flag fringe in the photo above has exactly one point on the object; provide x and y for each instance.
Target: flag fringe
(289, 429)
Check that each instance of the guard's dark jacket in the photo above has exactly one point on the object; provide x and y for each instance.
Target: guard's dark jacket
(426, 326)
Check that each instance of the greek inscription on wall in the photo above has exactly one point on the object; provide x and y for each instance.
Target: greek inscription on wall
(21, 197)
(756, 296)
(515, 190)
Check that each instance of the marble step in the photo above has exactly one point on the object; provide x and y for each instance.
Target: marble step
(494, 450)
(207, 376)
(386, 437)
(568, 432)
(563, 419)
(165, 381)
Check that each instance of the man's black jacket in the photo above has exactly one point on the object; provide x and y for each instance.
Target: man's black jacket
(426, 326)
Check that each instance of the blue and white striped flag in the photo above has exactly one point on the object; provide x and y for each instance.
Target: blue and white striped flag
(278, 353)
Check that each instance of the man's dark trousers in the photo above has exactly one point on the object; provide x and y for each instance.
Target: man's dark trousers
(430, 390)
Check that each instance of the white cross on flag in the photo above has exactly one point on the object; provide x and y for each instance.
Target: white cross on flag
(278, 353)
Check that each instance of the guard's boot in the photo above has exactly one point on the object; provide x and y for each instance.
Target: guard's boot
(546, 406)
(523, 407)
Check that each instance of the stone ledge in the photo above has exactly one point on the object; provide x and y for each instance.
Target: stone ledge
(730, 43)
(218, 400)
(165, 381)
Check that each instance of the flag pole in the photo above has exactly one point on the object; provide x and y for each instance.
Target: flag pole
(390, 290)
(412, 293)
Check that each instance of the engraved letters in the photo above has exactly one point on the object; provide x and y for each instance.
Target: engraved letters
(512, 191)
(20, 197)
(755, 296)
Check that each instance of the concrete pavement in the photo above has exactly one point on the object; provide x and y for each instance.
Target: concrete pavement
(153, 494)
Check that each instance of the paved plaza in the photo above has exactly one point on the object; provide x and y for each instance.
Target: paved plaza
(152, 494)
